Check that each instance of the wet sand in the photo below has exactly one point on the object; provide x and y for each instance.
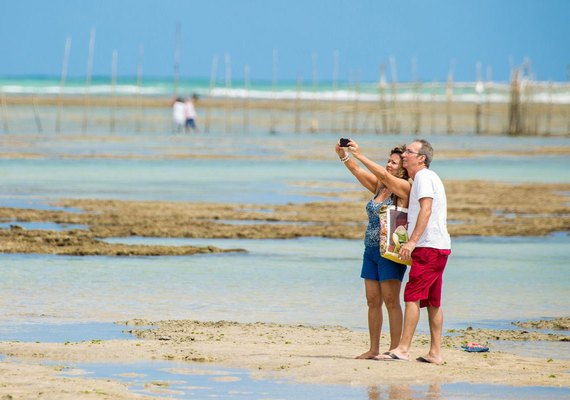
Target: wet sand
(82, 243)
(557, 324)
(308, 354)
(478, 208)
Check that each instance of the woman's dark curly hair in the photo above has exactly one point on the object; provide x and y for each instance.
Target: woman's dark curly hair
(402, 172)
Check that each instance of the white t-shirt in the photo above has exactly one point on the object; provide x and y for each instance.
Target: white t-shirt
(190, 110)
(427, 184)
(179, 112)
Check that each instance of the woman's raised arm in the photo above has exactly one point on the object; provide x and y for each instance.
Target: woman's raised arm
(366, 179)
(400, 187)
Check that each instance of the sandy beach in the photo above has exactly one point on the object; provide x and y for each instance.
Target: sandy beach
(306, 354)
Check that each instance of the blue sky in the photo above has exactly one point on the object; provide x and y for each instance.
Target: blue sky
(365, 33)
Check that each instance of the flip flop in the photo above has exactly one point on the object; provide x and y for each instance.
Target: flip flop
(392, 357)
(381, 356)
(473, 347)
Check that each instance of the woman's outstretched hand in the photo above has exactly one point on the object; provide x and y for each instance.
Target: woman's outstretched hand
(341, 151)
(353, 148)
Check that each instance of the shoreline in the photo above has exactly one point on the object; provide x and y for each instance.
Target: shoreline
(297, 114)
(304, 354)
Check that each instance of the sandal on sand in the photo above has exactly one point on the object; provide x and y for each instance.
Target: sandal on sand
(379, 357)
(389, 356)
(473, 347)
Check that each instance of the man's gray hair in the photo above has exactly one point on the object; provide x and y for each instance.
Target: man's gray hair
(426, 150)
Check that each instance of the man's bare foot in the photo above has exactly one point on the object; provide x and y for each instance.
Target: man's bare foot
(369, 355)
(430, 359)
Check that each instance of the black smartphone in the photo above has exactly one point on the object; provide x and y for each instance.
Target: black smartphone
(344, 142)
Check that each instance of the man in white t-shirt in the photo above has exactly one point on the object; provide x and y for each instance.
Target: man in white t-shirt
(429, 247)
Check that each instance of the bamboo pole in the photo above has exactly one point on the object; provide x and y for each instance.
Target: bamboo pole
(37, 118)
(139, 87)
(487, 103)
(394, 123)
(297, 123)
(228, 82)
(345, 115)
(4, 112)
(213, 78)
(355, 108)
(419, 86)
(525, 96)
(416, 95)
(548, 113)
(314, 126)
(449, 103)
(566, 113)
(528, 112)
(62, 83)
(514, 107)
(246, 84)
(382, 98)
(114, 60)
(274, 63)
(177, 59)
(479, 89)
(335, 72)
(88, 80)
(432, 106)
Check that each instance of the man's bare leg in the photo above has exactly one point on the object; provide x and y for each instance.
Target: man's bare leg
(411, 318)
(435, 315)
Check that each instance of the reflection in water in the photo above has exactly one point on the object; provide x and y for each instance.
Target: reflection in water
(434, 392)
(181, 380)
(399, 392)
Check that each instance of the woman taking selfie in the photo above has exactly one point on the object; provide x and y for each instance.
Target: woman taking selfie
(382, 278)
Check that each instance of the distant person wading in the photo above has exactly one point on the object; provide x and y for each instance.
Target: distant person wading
(184, 114)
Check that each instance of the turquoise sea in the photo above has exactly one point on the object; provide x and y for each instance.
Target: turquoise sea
(489, 282)
(496, 92)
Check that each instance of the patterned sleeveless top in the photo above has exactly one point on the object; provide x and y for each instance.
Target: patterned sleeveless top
(372, 236)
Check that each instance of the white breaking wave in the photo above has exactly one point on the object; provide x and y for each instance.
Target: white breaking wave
(80, 90)
(345, 95)
(536, 92)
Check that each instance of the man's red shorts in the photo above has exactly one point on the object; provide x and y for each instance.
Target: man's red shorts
(426, 276)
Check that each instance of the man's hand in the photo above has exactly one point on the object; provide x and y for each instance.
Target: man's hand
(406, 250)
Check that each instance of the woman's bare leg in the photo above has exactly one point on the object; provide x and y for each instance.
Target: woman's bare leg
(374, 300)
(391, 297)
